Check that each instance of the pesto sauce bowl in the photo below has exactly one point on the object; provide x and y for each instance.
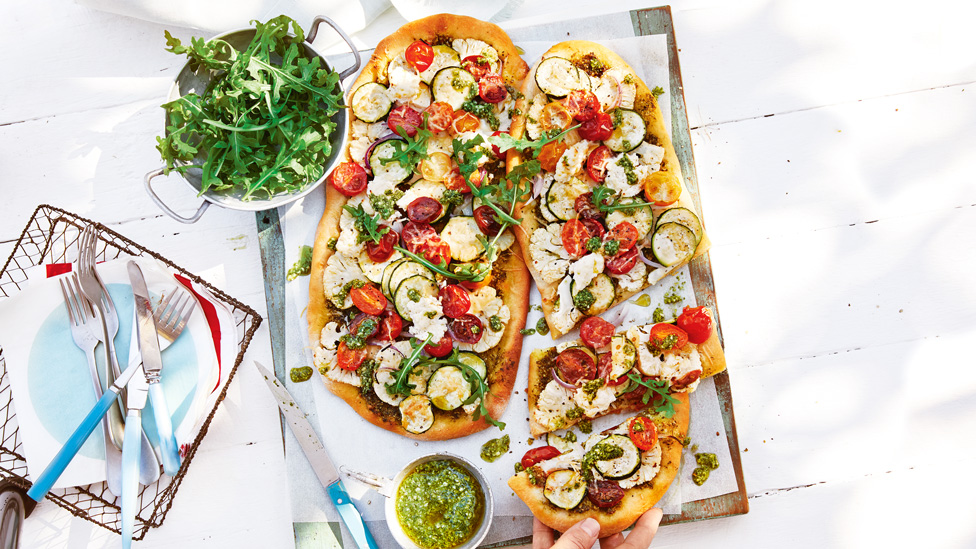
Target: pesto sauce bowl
(390, 487)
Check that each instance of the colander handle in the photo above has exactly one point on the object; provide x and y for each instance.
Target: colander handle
(159, 202)
(352, 47)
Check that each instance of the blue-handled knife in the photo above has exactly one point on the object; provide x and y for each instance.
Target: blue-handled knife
(321, 464)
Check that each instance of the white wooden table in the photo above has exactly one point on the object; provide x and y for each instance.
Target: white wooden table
(834, 147)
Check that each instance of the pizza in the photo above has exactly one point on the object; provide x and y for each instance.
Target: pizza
(606, 372)
(613, 476)
(418, 287)
(610, 214)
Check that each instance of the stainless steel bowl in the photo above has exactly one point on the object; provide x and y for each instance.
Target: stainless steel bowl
(189, 81)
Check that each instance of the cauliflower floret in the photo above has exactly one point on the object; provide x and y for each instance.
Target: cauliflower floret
(571, 162)
(428, 318)
(649, 155)
(650, 465)
(340, 270)
(480, 299)
(489, 338)
(329, 338)
(552, 406)
(468, 46)
(440, 143)
(421, 188)
(601, 399)
(616, 178)
(323, 359)
(568, 460)
(586, 269)
(405, 85)
(549, 258)
(326, 361)
(348, 242)
(632, 280)
(565, 315)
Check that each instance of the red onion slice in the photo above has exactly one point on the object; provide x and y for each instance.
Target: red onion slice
(369, 150)
(559, 380)
(538, 185)
(648, 262)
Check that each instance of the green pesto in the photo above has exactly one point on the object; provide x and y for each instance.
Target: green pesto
(707, 462)
(658, 315)
(299, 375)
(575, 413)
(483, 110)
(332, 243)
(518, 467)
(611, 247)
(673, 296)
(617, 117)
(658, 91)
(592, 386)
(495, 323)
(536, 476)
(413, 295)
(366, 372)
(439, 505)
(527, 331)
(451, 199)
(593, 244)
(600, 452)
(385, 204)
(302, 267)
(585, 426)
(541, 327)
(358, 340)
(494, 449)
(584, 300)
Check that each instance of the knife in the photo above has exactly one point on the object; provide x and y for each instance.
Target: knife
(321, 464)
(152, 364)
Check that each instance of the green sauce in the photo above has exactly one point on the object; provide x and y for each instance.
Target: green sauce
(440, 505)
(541, 327)
(299, 375)
(706, 464)
(494, 449)
(302, 267)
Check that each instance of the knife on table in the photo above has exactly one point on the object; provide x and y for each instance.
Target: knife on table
(321, 464)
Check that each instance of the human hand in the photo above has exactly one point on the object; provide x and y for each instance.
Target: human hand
(584, 534)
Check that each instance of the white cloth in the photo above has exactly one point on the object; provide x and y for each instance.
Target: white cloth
(479, 9)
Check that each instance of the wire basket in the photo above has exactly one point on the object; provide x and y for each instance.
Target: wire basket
(52, 236)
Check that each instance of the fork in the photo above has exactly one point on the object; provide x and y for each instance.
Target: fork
(82, 321)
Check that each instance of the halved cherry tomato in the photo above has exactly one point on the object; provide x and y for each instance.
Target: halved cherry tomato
(604, 493)
(437, 251)
(494, 148)
(697, 323)
(585, 209)
(467, 329)
(464, 122)
(555, 116)
(596, 163)
(574, 236)
(436, 167)
(358, 321)
(456, 182)
(417, 235)
(476, 284)
(350, 359)
(574, 364)
(419, 55)
(455, 301)
(626, 234)
(604, 363)
(474, 65)
(643, 432)
(623, 262)
(487, 220)
(404, 120)
(598, 128)
(478, 176)
(380, 251)
(594, 227)
(538, 455)
(349, 178)
(582, 104)
(550, 153)
(368, 299)
(424, 209)
(662, 188)
(439, 116)
(596, 332)
(440, 349)
(668, 337)
(491, 88)
(390, 327)
(686, 380)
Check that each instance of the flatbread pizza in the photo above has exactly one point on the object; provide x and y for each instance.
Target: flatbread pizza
(418, 287)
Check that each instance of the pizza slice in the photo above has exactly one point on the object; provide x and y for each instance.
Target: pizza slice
(610, 214)
(613, 476)
(418, 288)
(604, 372)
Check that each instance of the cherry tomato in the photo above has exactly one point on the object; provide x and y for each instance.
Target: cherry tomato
(487, 220)
(439, 116)
(598, 128)
(582, 104)
(474, 65)
(456, 182)
(380, 251)
(662, 188)
(596, 332)
(550, 153)
(596, 163)
(368, 299)
(642, 432)
(604, 493)
(574, 364)
(686, 380)
(465, 122)
(697, 323)
(349, 178)
(668, 337)
(424, 209)
(419, 55)
(585, 209)
(491, 88)
(436, 167)
(416, 235)
(455, 301)
(574, 236)
(437, 252)
(350, 359)
(593, 227)
(476, 284)
(623, 262)
(626, 234)
(404, 121)
(478, 176)
(358, 321)
(604, 363)
(390, 327)
(538, 455)
(440, 349)
(555, 116)
(494, 148)
(467, 329)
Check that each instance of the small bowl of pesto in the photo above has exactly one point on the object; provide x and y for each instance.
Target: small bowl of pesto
(438, 501)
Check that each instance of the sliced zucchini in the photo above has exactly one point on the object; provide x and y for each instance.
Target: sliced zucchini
(387, 273)
(629, 133)
(375, 271)
(557, 77)
(565, 488)
(673, 243)
(604, 293)
(642, 218)
(623, 466)
(475, 362)
(564, 444)
(444, 56)
(447, 388)
(371, 102)
(454, 86)
(405, 270)
(461, 233)
(416, 414)
(410, 291)
(623, 356)
(391, 171)
(561, 198)
(685, 217)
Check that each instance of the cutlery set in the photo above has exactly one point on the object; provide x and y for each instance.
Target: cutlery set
(130, 459)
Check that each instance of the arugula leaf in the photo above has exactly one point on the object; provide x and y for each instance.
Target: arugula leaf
(658, 389)
(368, 226)
(409, 151)
(607, 201)
(505, 141)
